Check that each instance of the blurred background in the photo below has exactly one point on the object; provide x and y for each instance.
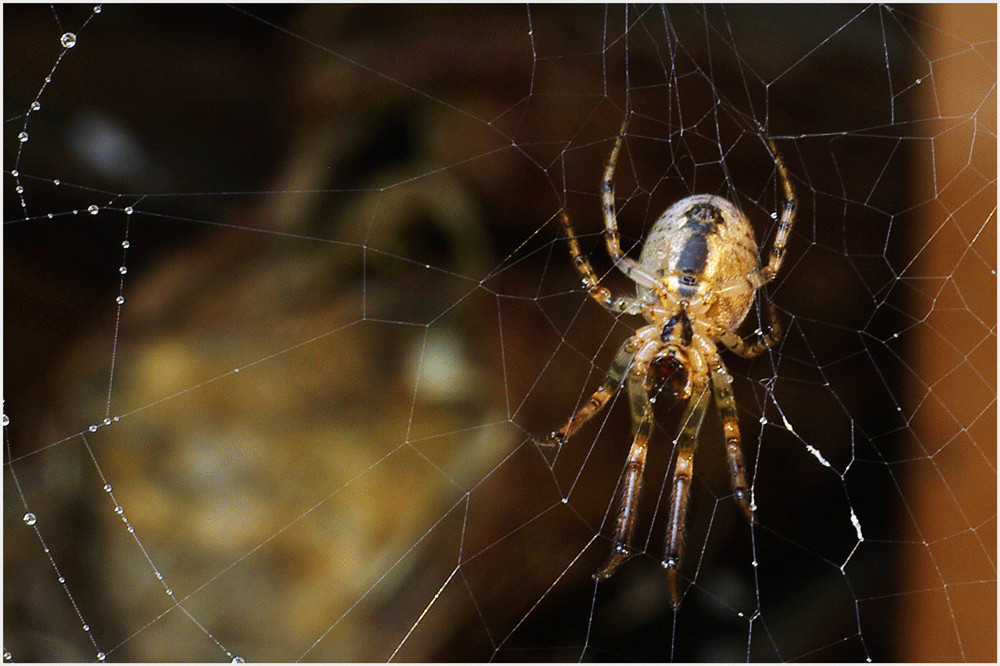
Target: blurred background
(346, 310)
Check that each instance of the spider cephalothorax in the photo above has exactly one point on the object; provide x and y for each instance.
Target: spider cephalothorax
(696, 279)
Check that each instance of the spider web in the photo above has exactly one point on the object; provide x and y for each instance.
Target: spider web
(286, 301)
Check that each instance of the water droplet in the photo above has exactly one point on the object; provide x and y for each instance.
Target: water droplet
(115, 419)
(125, 244)
(128, 210)
(92, 209)
(919, 81)
(61, 579)
(50, 216)
(119, 510)
(236, 369)
(122, 270)
(35, 106)
(93, 428)
(15, 173)
(68, 40)
(30, 518)
(120, 300)
(170, 592)
(57, 182)
(7, 656)
(22, 137)
(131, 530)
(107, 487)
(86, 627)
(19, 189)
(97, 9)
(101, 656)
(5, 421)
(107, 421)
(237, 660)
(159, 576)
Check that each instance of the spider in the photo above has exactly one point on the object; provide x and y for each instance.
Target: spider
(696, 279)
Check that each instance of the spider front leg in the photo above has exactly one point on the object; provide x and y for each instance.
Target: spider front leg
(612, 382)
(722, 389)
(628, 504)
(726, 403)
(694, 413)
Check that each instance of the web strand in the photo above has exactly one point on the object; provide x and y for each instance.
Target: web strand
(289, 317)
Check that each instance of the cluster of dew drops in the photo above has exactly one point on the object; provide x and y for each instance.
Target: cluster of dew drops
(68, 41)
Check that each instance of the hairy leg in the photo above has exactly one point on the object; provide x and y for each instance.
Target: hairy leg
(628, 504)
(759, 341)
(612, 382)
(726, 404)
(680, 493)
(600, 294)
(787, 217)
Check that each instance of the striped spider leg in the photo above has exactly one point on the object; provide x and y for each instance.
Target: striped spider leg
(696, 279)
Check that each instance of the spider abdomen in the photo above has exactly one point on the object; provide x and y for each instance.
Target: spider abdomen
(697, 277)
(702, 248)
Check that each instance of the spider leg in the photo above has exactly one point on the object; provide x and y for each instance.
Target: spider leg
(694, 413)
(760, 340)
(612, 382)
(787, 217)
(722, 389)
(628, 504)
(630, 267)
(597, 292)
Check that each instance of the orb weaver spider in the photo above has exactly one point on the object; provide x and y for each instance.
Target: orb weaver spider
(696, 279)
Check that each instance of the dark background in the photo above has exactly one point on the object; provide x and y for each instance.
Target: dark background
(292, 169)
